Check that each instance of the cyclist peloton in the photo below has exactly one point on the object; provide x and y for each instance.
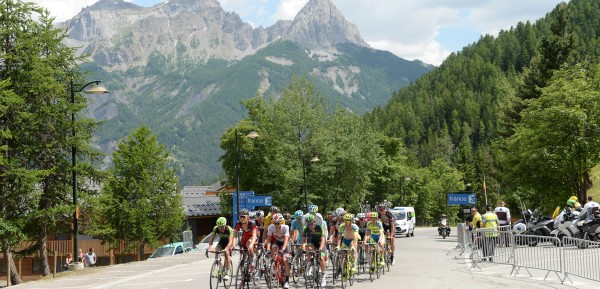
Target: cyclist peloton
(348, 237)
(389, 226)
(248, 231)
(278, 236)
(373, 234)
(314, 237)
(225, 234)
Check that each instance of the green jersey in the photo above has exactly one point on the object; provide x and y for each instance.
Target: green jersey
(376, 228)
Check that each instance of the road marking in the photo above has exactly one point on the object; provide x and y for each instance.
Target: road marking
(111, 284)
(145, 283)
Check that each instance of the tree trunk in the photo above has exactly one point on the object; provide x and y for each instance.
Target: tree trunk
(14, 275)
(42, 241)
(141, 252)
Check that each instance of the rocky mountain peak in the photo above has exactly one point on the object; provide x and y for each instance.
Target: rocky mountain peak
(320, 24)
(112, 5)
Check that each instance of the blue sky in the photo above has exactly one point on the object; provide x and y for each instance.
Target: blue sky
(428, 30)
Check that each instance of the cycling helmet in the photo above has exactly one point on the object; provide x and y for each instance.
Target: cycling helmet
(260, 214)
(277, 218)
(374, 215)
(443, 215)
(244, 212)
(221, 221)
(298, 214)
(339, 211)
(310, 218)
(275, 210)
(348, 217)
(252, 215)
(361, 215)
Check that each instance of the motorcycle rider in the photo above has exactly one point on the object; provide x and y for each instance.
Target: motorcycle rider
(443, 225)
(503, 214)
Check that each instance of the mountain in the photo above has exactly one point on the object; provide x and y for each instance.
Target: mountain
(183, 66)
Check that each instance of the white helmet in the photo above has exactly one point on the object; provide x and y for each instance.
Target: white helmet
(519, 228)
(361, 215)
(340, 211)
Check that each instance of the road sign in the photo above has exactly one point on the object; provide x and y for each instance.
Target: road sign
(259, 201)
(462, 199)
(243, 205)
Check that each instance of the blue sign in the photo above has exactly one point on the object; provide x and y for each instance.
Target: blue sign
(259, 201)
(243, 204)
(462, 199)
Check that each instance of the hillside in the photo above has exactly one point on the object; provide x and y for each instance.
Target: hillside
(182, 67)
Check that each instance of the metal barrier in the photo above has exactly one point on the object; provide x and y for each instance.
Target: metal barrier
(581, 258)
(571, 256)
(538, 252)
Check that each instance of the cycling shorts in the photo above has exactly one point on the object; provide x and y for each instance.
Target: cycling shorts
(222, 244)
(387, 227)
(375, 238)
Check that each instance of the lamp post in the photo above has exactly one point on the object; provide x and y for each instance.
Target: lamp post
(251, 135)
(314, 159)
(96, 89)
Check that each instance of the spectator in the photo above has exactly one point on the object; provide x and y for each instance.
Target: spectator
(476, 221)
(90, 258)
(590, 207)
(490, 222)
(503, 214)
(68, 260)
(80, 256)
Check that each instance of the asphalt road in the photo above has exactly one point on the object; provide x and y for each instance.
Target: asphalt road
(423, 261)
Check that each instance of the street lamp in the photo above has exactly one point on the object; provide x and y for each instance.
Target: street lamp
(314, 159)
(96, 89)
(251, 135)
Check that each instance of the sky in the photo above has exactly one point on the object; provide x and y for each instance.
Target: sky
(428, 30)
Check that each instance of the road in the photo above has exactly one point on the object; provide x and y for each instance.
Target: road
(423, 261)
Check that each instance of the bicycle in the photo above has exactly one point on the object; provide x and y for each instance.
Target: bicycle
(297, 263)
(333, 256)
(218, 271)
(388, 253)
(312, 272)
(346, 265)
(261, 265)
(276, 270)
(374, 259)
(362, 259)
(245, 273)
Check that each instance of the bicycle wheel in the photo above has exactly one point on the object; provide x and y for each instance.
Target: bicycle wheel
(372, 264)
(317, 274)
(294, 269)
(309, 275)
(215, 275)
(227, 283)
(377, 267)
(388, 255)
(350, 272)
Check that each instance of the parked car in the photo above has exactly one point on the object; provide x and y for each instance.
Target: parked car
(170, 250)
(203, 245)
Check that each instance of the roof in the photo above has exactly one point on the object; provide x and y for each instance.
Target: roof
(196, 203)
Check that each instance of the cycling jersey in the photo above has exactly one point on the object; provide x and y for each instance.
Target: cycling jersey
(342, 230)
(246, 234)
(314, 237)
(375, 230)
(388, 223)
(362, 228)
(298, 226)
(268, 220)
(223, 236)
(277, 237)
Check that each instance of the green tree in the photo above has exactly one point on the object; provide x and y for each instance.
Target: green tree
(558, 140)
(139, 203)
(39, 65)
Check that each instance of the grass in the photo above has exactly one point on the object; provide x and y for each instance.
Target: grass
(595, 190)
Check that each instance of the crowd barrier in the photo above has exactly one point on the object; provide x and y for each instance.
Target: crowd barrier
(569, 256)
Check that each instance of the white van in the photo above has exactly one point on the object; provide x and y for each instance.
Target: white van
(405, 221)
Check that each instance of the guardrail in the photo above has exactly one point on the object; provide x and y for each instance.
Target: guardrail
(563, 257)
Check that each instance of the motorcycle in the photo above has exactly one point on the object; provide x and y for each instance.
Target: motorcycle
(566, 225)
(589, 228)
(533, 224)
(444, 229)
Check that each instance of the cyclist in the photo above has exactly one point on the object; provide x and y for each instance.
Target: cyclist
(334, 225)
(348, 237)
(248, 231)
(278, 236)
(374, 228)
(274, 210)
(225, 234)
(362, 225)
(389, 226)
(297, 228)
(259, 221)
(314, 237)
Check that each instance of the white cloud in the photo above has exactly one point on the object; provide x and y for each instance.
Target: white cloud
(64, 9)
(287, 9)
